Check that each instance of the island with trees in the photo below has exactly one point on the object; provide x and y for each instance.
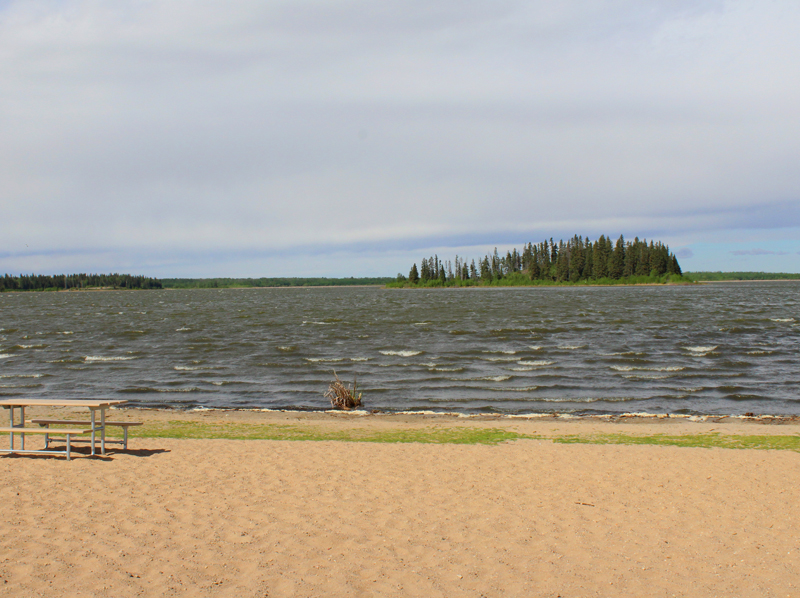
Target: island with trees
(576, 261)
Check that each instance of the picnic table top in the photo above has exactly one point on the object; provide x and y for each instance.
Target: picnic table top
(23, 402)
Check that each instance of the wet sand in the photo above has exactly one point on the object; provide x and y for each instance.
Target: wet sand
(260, 518)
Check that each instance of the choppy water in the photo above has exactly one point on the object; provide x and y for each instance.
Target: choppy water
(722, 348)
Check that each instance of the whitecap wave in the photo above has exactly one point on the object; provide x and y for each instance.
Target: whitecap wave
(317, 323)
(782, 319)
(287, 348)
(441, 369)
(185, 368)
(500, 378)
(407, 353)
(182, 329)
(537, 363)
(360, 358)
(30, 346)
(324, 359)
(91, 358)
(535, 347)
(630, 368)
(501, 351)
(571, 347)
(701, 349)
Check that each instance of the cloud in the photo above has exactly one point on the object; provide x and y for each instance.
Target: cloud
(254, 128)
(758, 252)
(684, 253)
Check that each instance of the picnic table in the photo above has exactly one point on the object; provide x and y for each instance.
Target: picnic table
(93, 426)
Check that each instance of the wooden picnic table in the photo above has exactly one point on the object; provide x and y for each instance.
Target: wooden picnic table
(94, 405)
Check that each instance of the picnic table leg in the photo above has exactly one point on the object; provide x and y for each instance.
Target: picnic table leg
(11, 412)
(68, 447)
(22, 423)
(102, 431)
(93, 428)
(125, 437)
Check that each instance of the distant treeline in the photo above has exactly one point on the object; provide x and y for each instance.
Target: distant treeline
(40, 282)
(227, 283)
(578, 261)
(712, 276)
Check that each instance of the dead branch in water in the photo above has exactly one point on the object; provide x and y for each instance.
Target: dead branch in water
(343, 397)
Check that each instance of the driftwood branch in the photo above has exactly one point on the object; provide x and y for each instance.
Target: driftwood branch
(341, 396)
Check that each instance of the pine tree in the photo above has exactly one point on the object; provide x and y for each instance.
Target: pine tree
(413, 276)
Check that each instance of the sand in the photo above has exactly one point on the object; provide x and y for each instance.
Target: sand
(257, 518)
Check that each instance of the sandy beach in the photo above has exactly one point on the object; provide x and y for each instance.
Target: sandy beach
(257, 518)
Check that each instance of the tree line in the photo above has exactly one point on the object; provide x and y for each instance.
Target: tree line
(576, 260)
(227, 283)
(42, 282)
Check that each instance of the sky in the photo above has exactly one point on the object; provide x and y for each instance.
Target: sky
(351, 138)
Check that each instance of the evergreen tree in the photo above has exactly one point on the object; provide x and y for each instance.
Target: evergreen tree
(413, 276)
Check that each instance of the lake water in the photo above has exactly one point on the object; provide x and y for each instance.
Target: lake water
(704, 349)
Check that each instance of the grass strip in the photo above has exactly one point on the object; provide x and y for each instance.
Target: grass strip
(236, 431)
(444, 435)
(715, 440)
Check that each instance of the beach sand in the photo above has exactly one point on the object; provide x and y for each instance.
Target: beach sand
(257, 518)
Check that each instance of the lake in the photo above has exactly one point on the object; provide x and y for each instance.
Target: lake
(723, 348)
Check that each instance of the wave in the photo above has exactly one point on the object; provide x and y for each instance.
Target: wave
(407, 353)
(317, 323)
(5, 356)
(287, 348)
(442, 369)
(571, 347)
(782, 319)
(182, 329)
(501, 351)
(30, 346)
(146, 389)
(21, 375)
(498, 358)
(93, 359)
(360, 358)
(760, 352)
(324, 359)
(535, 347)
(701, 349)
(66, 332)
(537, 363)
(500, 378)
(630, 368)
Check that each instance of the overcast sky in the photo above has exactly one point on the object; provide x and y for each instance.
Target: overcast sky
(351, 138)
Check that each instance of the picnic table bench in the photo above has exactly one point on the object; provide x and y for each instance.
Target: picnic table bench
(68, 432)
(46, 423)
(92, 426)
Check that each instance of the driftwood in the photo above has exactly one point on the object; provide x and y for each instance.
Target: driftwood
(343, 397)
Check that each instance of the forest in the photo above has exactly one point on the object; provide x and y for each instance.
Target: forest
(57, 282)
(228, 283)
(576, 261)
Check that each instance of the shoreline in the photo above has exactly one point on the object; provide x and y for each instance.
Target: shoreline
(772, 419)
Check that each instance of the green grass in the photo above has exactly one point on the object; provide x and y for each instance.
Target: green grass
(236, 431)
(791, 443)
(443, 435)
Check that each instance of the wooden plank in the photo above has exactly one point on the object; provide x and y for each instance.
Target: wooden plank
(51, 431)
(82, 422)
(22, 402)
